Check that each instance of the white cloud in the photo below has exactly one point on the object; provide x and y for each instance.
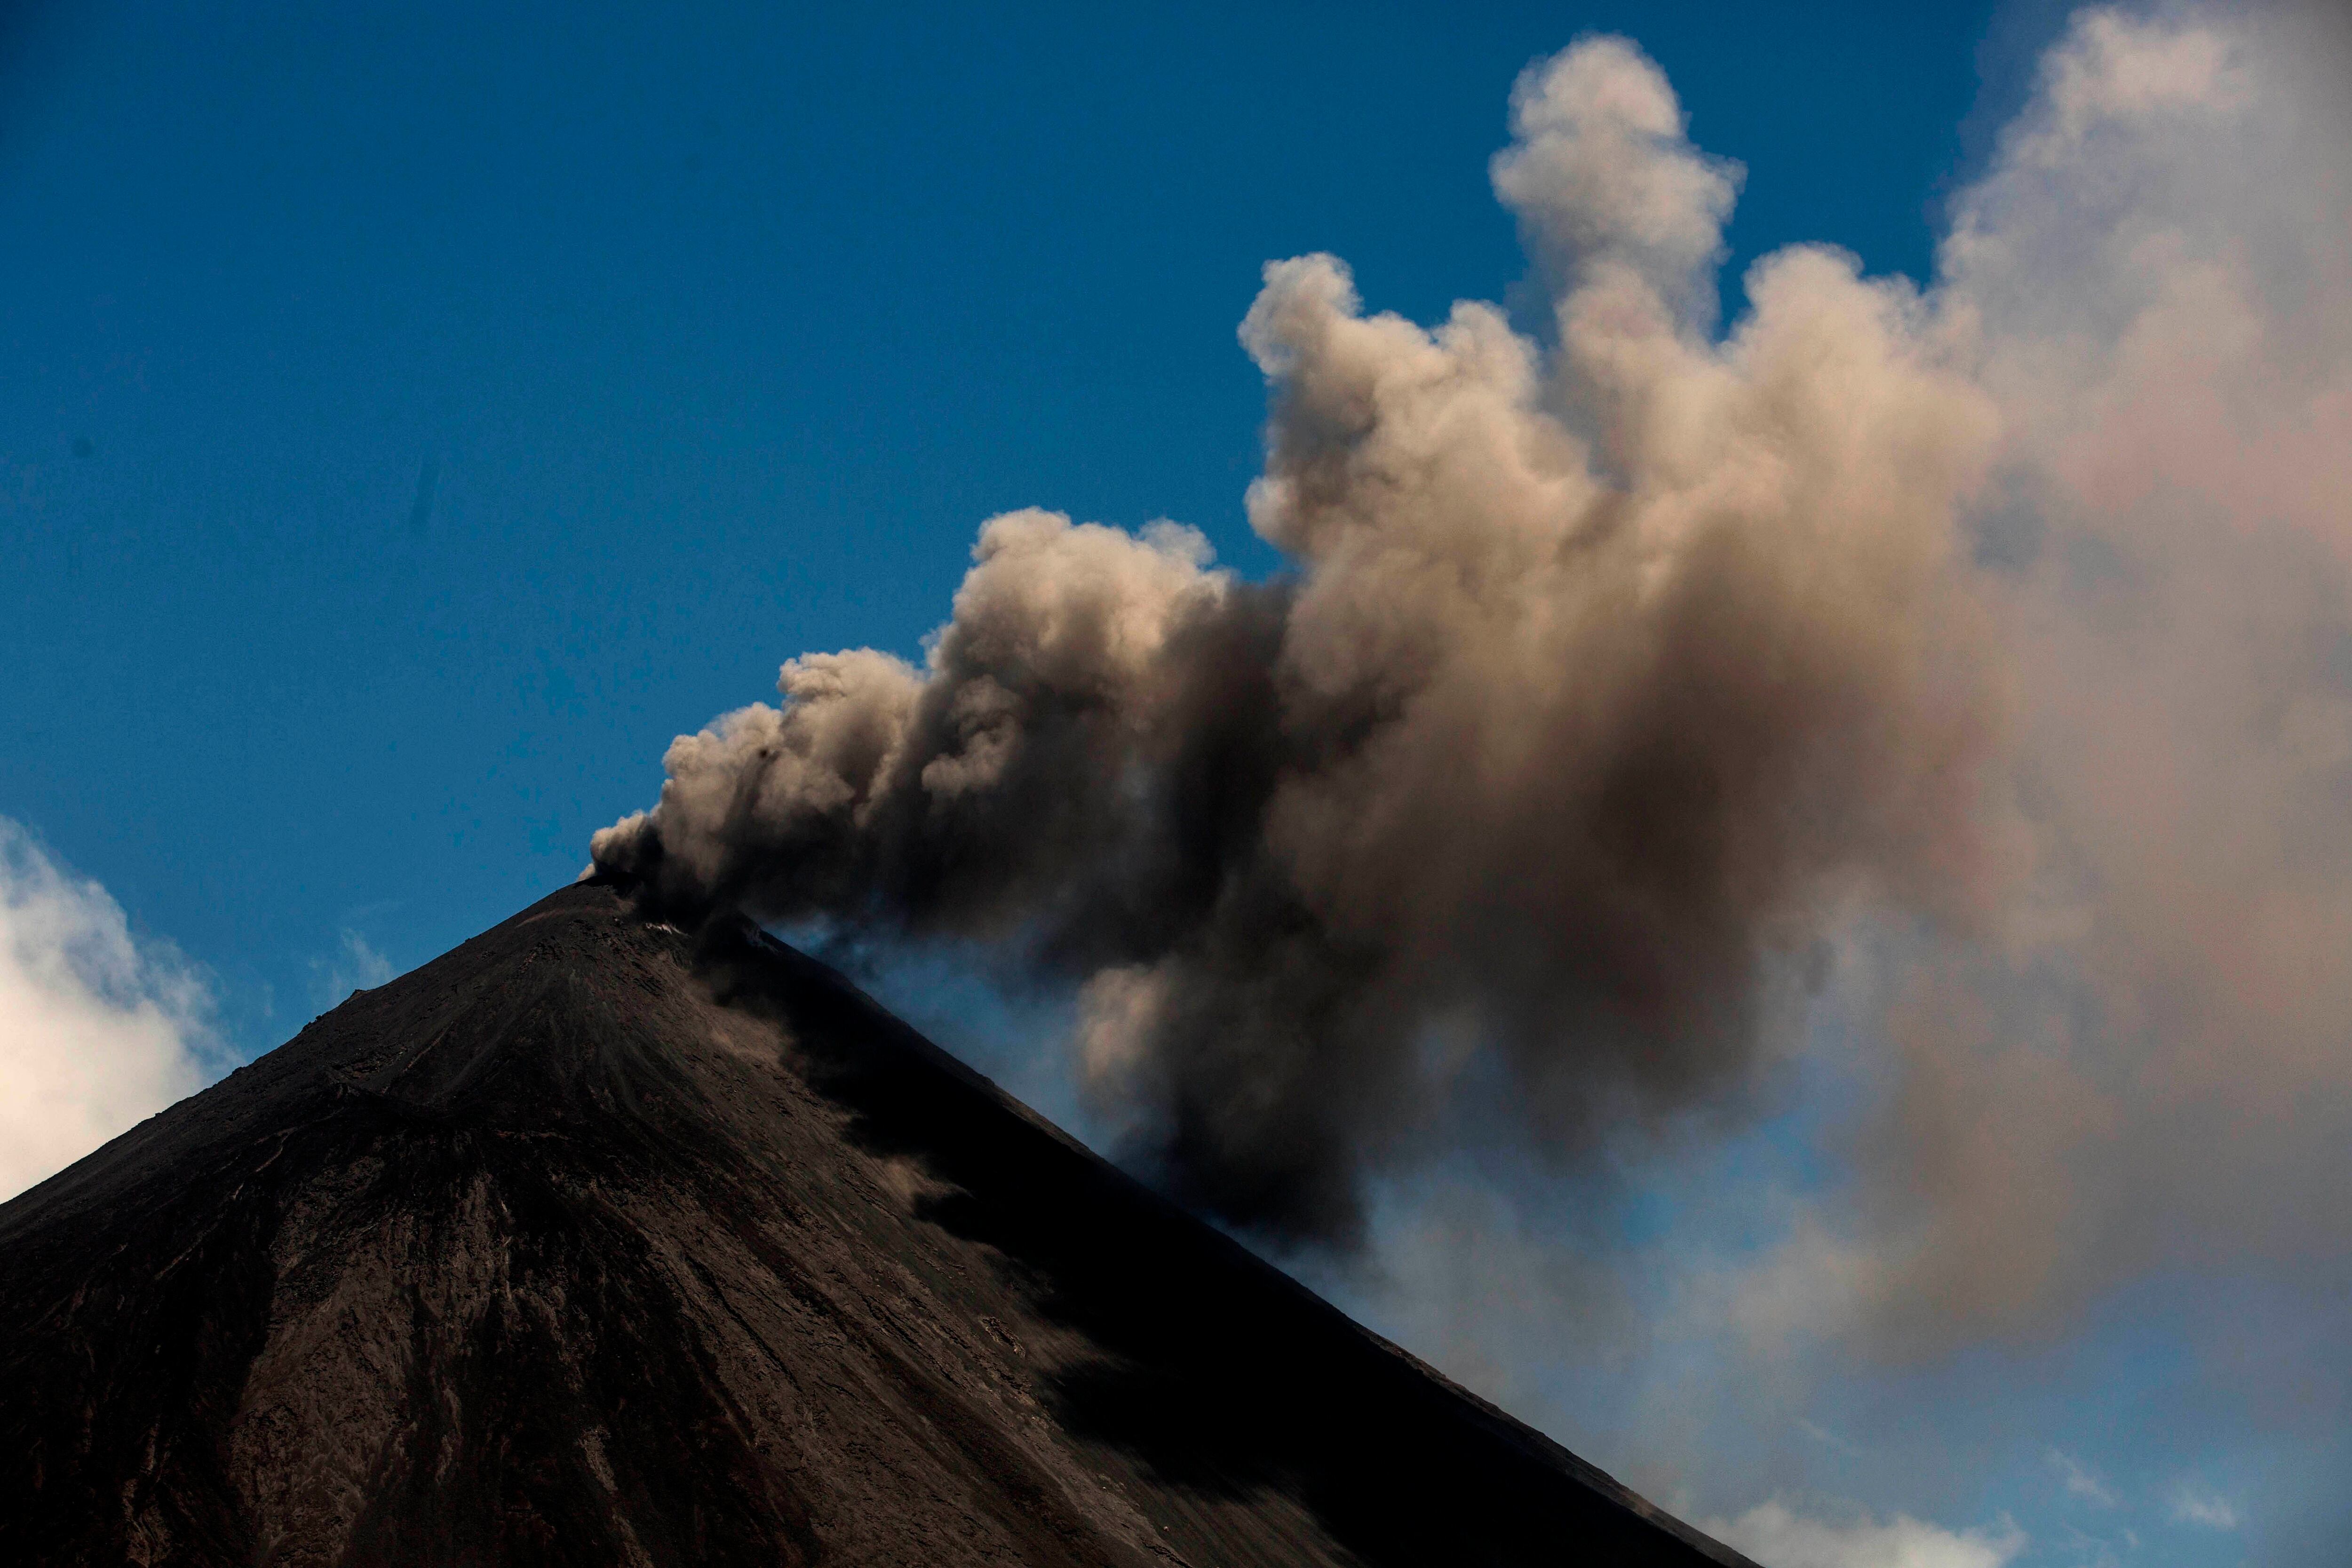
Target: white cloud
(2194, 1504)
(97, 1029)
(2080, 1481)
(1779, 1538)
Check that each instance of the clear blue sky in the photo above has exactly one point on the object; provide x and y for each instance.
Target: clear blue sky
(413, 416)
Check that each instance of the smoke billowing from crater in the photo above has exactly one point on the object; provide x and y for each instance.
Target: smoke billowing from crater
(1603, 675)
(1623, 669)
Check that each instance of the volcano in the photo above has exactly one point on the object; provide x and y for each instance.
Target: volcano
(594, 1241)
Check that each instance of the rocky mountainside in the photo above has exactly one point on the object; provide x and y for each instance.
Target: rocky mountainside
(592, 1242)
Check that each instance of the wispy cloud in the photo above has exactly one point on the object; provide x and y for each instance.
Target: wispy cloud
(1828, 1439)
(2194, 1503)
(355, 966)
(2080, 1481)
(1772, 1532)
(2089, 1551)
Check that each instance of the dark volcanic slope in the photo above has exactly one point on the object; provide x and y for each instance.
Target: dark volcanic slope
(589, 1244)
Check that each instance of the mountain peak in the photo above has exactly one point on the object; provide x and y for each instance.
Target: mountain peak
(595, 1242)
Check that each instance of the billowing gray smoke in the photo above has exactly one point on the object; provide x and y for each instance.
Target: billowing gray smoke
(1983, 650)
(1606, 674)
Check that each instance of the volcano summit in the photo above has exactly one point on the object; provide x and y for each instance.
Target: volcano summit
(593, 1242)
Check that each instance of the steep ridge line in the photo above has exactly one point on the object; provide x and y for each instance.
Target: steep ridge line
(595, 1242)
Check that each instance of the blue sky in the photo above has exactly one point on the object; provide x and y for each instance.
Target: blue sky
(718, 337)
(411, 418)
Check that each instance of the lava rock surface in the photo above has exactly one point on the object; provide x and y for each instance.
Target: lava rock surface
(593, 1242)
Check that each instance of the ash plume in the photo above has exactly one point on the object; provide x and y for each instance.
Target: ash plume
(1967, 663)
(2147, 1068)
(1604, 677)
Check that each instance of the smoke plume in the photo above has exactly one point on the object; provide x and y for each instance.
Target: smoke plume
(2150, 1066)
(1603, 674)
(1624, 671)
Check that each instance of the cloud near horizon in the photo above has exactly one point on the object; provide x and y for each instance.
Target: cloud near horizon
(1773, 1534)
(99, 1030)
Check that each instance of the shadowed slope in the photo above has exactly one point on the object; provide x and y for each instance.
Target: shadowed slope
(594, 1243)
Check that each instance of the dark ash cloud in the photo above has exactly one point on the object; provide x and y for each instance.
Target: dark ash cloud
(1603, 677)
